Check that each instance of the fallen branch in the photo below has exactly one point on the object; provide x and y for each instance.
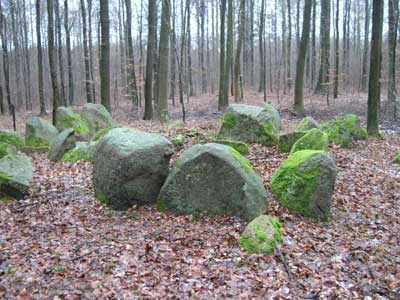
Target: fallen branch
(283, 260)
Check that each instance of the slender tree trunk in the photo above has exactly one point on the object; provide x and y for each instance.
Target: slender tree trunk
(69, 55)
(151, 47)
(132, 87)
(17, 59)
(27, 62)
(173, 54)
(189, 52)
(252, 42)
(90, 40)
(364, 73)
(105, 55)
(261, 48)
(163, 59)
(86, 54)
(6, 63)
(336, 82)
(375, 68)
(52, 57)
(229, 52)
(323, 77)
(289, 47)
(393, 12)
(238, 96)
(60, 56)
(202, 46)
(313, 43)
(299, 84)
(221, 103)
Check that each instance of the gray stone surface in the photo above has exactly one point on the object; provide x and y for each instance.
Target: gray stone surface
(214, 179)
(130, 167)
(64, 142)
(15, 176)
(96, 116)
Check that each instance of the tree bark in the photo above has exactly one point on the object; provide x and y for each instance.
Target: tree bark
(86, 54)
(336, 79)
(393, 12)
(299, 84)
(52, 57)
(60, 56)
(238, 94)
(221, 104)
(151, 47)
(375, 68)
(229, 52)
(69, 55)
(6, 63)
(105, 55)
(364, 74)
(163, 62)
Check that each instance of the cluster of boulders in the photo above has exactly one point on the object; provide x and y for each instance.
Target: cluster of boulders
(132, 167)
(73, 138)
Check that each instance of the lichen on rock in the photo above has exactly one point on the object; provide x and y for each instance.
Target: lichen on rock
(314, 139)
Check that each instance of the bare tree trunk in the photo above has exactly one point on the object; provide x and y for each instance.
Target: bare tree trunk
(173, 54)
(132, 87)
(151, 47)
(261, 48)
(163, 59)
(323, 77)
(374, 90)
(364, 74)
(17, 59)
(86, 54)
(27, 76)
(299, 84)
(6, 63)
(238, 95)
(289, 47)
(229, 53)
(336, 82)
(60, 56)
(313, 43)
(69, 55)
(202, 42)
(105, 55)
(221, 103)
(90, 38)
(52, 57)
(392, 37)
(189, 52)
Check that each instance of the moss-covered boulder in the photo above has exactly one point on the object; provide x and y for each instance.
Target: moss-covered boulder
(288, 139)
(97, 117)
(314, 139)
(15, 176)
(240, 147)
(130, 167)
(304, 183)
(249, 124)
(307, 124)
(214, 179)
(397, 156)
(7, 150)
(67, 119)
(274, 113)
(11, 138)
(83, 151)
(39, 133)
(260, 235)
(64, 142)
(342, 131)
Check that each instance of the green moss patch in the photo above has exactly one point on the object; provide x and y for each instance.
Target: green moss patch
(80, 153)
(179, 140)
(287, 140)
(342, 131)
(11, 138)
(101, 197)
(244, 162)
(240, 147)
(3, 177)
(397, 156)
(37, 142)
(161, 205)
(315, 139)
(260, 235)
(228, 121)
(102, 132)
(293, 185)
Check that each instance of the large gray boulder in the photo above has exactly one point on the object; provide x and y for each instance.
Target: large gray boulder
(64, 142)
(214, 179)
(304, 183)
(67, 119)
(130, 167)
(96, 116)
(15, 176)
(249, 124)
(39, 132)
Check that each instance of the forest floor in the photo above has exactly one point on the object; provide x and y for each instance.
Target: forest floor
(61, 243)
